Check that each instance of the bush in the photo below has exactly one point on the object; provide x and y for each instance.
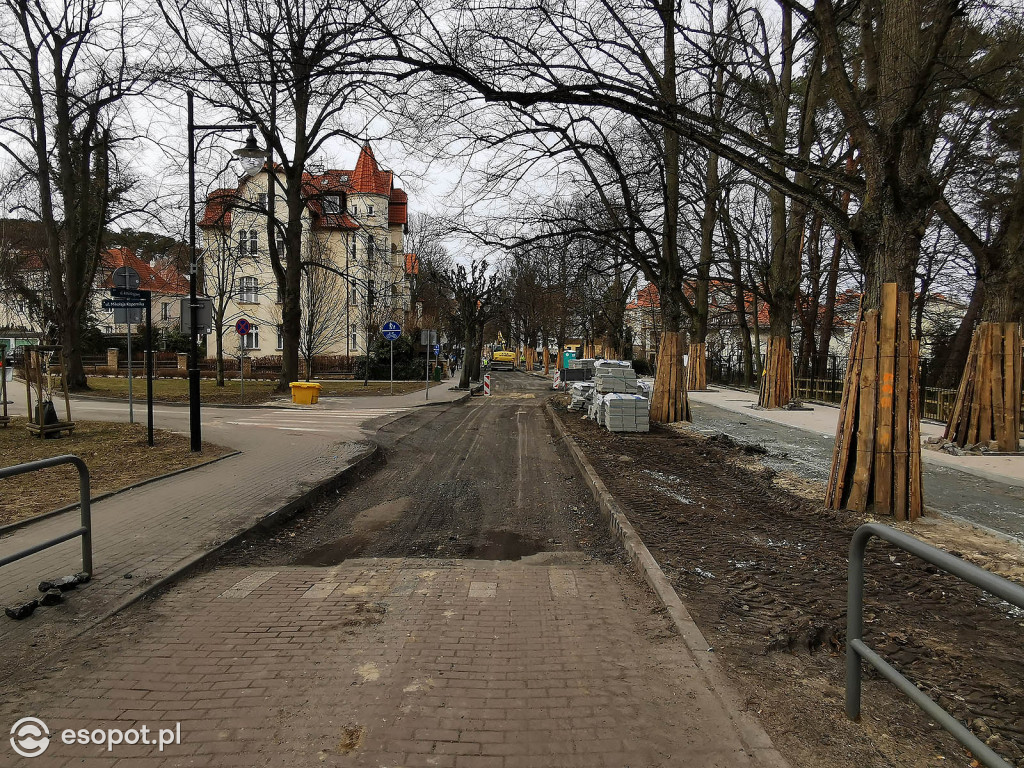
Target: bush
(409, 364)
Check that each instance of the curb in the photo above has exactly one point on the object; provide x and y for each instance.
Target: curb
(308, 498)
(10, 528)
(749, 730)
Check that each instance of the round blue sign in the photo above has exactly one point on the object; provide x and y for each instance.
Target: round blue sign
(392, 331)
(243, 327)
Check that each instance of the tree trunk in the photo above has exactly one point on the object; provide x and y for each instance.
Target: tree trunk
(670, 403)
(697, 367)
(959, 348)
(71, 335)
(987, 407)
(777, 377)
(877, 460)
(219, 343)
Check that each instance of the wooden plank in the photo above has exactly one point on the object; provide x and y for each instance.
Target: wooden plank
(844, 426)
(955, 425)
(916, 504)
(970, 435)
(1011, 398)
(996, 376)
(886, 392)
(901, 417)
(985, 366)
(863, 464)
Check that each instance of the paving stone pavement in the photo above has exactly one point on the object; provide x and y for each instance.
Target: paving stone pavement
(143, 535)
(391, 662)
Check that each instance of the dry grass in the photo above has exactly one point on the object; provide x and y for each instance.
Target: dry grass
(256, 392)
(116, 454)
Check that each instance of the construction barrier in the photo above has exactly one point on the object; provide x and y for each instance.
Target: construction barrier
(487, 384)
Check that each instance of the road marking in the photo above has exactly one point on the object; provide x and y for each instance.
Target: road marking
(483, 589)
(319, 591)
(246, 586)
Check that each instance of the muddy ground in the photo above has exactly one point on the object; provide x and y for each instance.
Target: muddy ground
(761, 565)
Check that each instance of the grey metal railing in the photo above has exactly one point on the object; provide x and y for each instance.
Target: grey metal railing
(856, 649)
(85, 530)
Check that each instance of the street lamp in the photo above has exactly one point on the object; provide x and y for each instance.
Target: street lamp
(249, 155)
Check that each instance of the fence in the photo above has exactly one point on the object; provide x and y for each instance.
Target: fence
(857, 649)
(935, 402)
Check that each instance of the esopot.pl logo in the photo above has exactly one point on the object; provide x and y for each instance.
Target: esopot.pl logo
(30, 737)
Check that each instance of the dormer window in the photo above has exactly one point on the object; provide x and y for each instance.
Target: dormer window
(332, 204)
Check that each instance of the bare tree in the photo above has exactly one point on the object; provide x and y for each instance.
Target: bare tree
(68, 70)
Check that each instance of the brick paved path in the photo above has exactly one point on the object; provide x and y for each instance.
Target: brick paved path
(395, 663)
(147, 533)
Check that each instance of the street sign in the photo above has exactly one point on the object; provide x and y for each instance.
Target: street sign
(124, 303)
(243, 327)
(437, 350)
(127, 316)
(428, 337)
(392, 331)
(129, 293)
(204, 315)
(126, 277)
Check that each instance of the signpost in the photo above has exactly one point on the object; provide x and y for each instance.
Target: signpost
(427, 338)
(126, 298)
(243, 327)
(392, 331)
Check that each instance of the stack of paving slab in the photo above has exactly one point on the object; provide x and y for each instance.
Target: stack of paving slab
(595, 408)
(626, 413)
(586, 365)
(645, 389)
(580, 395)
(614, 376)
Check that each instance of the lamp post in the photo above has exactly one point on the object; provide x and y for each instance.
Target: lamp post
(251, 153)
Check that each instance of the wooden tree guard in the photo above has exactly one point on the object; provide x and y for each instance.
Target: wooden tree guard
(34, 377)
(777, 377)
(669, 403)
(877, 459)
(547, 361)
(987, 406)
(697, 367)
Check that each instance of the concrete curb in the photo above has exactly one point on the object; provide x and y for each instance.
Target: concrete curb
(308, 498)
(749, 730)
(93, 499)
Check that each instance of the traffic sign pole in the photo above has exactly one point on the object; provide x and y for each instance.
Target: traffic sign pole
(131, 401)
(149, 373)
(427, 390)
(391, 331)
(392, 367)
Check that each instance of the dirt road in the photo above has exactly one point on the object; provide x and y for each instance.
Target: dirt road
(480, 481)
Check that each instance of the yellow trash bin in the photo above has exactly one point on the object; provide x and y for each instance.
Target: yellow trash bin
(305, 392)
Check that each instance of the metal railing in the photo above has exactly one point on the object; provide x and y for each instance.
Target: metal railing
(85, 530)
(856, 649)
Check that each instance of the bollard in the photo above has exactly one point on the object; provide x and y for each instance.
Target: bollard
(487, 384)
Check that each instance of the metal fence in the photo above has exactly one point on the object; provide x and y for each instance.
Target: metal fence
(857, 649)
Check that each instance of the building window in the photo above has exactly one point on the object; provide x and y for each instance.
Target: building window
(243, 242)
(280, 295)
(253, 242)
(355, 343)
(371, 247)
(369, 210)
(332, 204)
(280, 244)
(280, 337)
(261, 201)
(165, 310)
(353, 298)
(249, 290)
(251, 340)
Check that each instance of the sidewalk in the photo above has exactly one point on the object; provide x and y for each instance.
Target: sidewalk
(823, 419)
(146, 535)
(398, 662)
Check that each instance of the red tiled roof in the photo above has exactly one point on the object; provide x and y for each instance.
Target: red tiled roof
(218, 208)
(366, 178)
(165, 280)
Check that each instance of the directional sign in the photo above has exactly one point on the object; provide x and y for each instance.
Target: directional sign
(129, 293)
(243, 327)
(392, 331)
(437, 350)
(124, 303)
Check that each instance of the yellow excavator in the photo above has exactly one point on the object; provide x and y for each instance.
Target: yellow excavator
(503, 358)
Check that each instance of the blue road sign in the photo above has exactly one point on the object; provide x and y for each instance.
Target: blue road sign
(243, 327)
(391, 330)
(437, 350)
